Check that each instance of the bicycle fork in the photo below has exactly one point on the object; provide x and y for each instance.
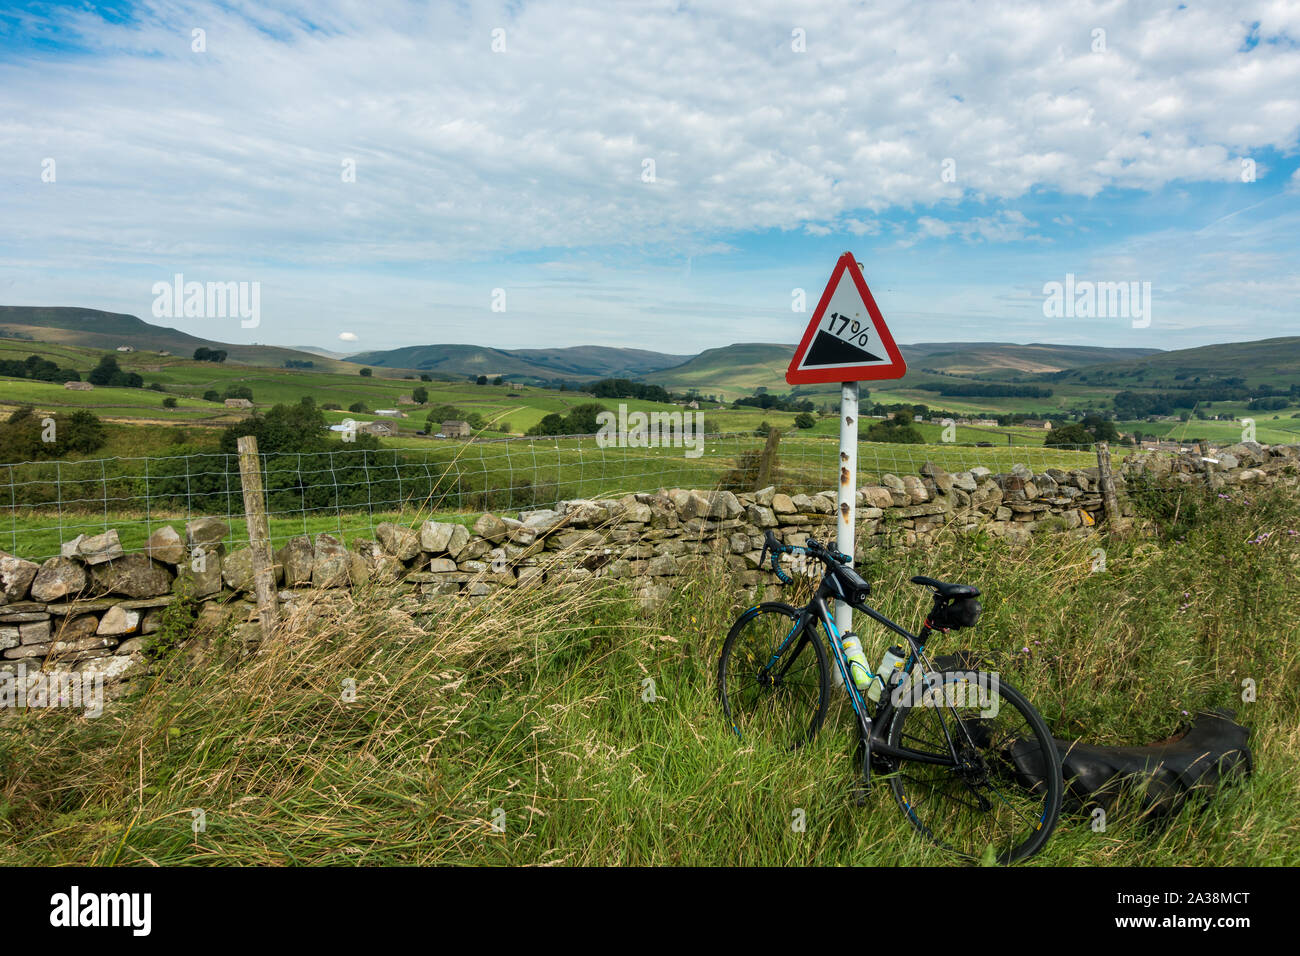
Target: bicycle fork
(855, 697)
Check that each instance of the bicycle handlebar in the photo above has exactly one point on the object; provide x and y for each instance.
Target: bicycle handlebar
(813, 547)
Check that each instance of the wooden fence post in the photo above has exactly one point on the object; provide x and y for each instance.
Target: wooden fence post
(259, 536)
(767, 465)
(1109, 500)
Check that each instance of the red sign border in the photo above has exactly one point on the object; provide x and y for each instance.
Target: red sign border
(896, 368)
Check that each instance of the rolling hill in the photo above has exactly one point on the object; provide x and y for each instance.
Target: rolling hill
(92, 328)
(579, 362)
(735, 370)
(1264, 361)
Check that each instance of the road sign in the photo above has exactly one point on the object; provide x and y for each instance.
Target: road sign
(847, 339)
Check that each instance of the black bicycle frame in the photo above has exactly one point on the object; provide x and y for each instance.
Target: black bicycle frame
(818, 610)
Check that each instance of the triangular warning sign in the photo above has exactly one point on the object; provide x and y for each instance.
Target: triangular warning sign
(847, 339)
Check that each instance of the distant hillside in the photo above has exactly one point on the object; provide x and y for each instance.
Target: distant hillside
(736, 370)
(92, 328)
(730, 371)
(1265, 361)
(1006, 359)
(579, 362)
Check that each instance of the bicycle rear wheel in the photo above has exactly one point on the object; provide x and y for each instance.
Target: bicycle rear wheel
(1003, 797)
(773, 678)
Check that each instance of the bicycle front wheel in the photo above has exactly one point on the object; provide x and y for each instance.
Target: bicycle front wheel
(1000, 798)
(773, 678)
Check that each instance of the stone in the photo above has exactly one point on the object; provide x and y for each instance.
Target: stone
(132, 645)
(16, 576)
(723, 505)
(298, 557)
(94, 549)
(9, 637)
(75, 628)
(915, 490)
(200, 576)
(783, 505)
(440, 565)
(964, 480)
(435, 536)
(59, 578)
(36, 632)
(118, 620)
(877, 496)
(207, 533)
(541, 520)
(114, 667)
(77, 647)
(166, 545)
(136, 576)
(760, 516)
(942, 480)
(329, 563)
(661, 566)
(398, 540)
(493, 529)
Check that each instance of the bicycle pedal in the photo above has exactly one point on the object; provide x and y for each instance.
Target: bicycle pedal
(861, 793)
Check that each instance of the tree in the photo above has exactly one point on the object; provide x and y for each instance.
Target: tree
(285, 428)
(481, 380)
(898, 429)
(426, 377)
(804, 420)
(1102, 429)
(22, 435)
(212, 395)
(1071, 434)
(108, 374)
(169, 401)
(205, 354)
(497, 381)
(366, 373)
(357, 407)
(420, 394)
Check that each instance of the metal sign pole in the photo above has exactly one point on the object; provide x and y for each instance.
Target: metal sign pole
(846, 499)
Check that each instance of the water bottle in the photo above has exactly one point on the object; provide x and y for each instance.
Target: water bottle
(858, 669)
(889, 672)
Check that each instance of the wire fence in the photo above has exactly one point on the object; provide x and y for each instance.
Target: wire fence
(348, 492)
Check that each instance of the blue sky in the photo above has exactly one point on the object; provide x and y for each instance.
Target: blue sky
(967, 154)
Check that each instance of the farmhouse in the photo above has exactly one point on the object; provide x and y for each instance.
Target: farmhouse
(406, 400)
(456, 429)
(238, 403)
(78, 386)
(1036, 423)
(126, 348)
(390, 413)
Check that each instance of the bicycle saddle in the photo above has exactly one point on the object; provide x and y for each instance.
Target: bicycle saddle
(946, 590)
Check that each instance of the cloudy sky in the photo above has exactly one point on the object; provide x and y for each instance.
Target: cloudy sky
(658, 175)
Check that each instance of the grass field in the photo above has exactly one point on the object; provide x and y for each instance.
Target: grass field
(530, 711)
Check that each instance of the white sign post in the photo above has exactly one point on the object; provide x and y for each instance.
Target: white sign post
(846, 510)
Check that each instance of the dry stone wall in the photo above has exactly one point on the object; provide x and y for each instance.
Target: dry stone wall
(93, 608)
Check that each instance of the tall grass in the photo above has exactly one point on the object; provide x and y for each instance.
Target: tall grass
(531, 710)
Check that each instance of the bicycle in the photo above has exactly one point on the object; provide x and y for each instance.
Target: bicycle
(964, 777)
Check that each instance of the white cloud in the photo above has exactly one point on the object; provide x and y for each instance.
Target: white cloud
(347, 337)
(238, 151)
